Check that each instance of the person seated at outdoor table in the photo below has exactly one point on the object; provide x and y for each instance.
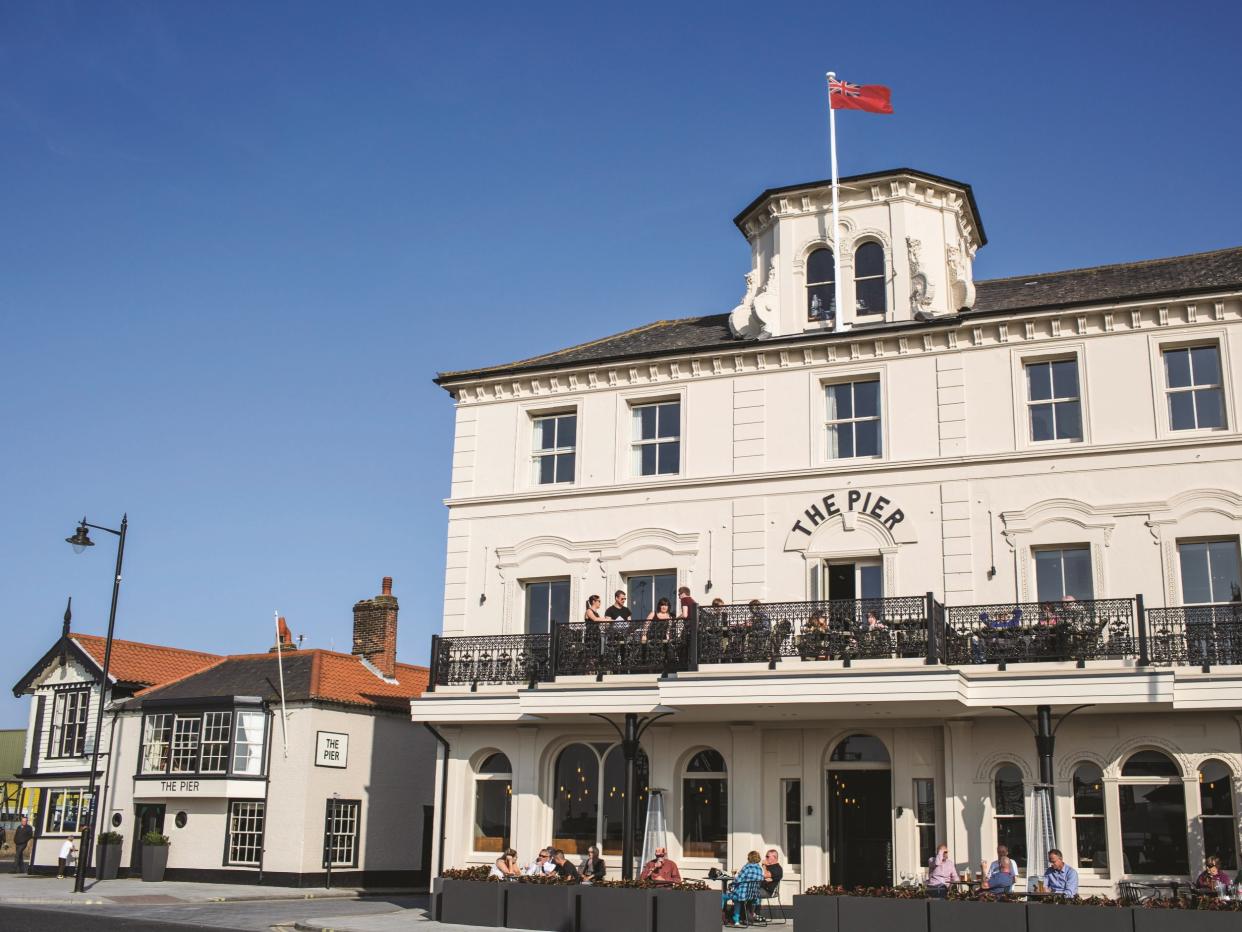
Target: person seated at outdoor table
(593, 867)
(999, 876)
(506, 866)
(541, 865)
(1212, 879)
(815, 637)
(743, 890)
(1060, 878)
(660, 870)
(773, 873)
(563, 867)
(941, 872)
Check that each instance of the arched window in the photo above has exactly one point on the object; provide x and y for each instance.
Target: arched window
(1153, 815)
(820, 279)
(1089, 823)
(1009, 806)
(870, 292)
(860, 749)
(1220, 831)
(705, 807)
(493, 793)
(613, 794)
(575, 810)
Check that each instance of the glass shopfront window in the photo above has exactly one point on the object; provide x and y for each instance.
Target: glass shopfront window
(1153, 816)
(705, 807)
(493, 798)
(1220, 828)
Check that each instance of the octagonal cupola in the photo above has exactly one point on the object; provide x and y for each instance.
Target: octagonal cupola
(907, 241)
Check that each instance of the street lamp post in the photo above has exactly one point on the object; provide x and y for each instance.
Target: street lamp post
(80, 541)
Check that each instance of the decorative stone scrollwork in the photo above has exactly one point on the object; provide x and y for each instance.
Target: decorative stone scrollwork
(755, 318)
(921, 290)
(961, 284)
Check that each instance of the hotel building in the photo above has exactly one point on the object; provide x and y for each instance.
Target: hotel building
(955, 501)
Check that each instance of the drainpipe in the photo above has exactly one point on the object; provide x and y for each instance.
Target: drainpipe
(443, 797)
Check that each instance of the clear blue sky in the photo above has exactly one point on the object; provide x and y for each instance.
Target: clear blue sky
(239, 239)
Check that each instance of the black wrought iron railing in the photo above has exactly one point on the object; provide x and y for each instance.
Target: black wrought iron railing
(1024, 632)
(599, 648)
(831, 630)
(1202, 635)
(500, 659)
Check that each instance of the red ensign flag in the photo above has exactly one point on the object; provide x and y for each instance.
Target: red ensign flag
(874, 98)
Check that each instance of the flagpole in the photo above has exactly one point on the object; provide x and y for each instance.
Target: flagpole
(836, 226)
(280, 668)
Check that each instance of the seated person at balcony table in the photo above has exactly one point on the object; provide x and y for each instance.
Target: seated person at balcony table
(773, 873)
(744, 889)
(999, 876)
(941, 872)
(593, 868)
(815, 637)
(685, 602)
(758, 621)
(1212, 879)
(1060, 878)
(563, 867)
(660, 870)
(541, 865)
(506, 866)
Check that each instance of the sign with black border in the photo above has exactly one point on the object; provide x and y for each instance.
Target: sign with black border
(331, 749)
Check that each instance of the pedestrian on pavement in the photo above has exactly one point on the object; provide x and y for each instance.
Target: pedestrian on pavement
(22, 836)
(68, 854)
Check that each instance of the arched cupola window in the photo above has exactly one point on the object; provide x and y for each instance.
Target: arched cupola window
(820, 280)
(870, 292)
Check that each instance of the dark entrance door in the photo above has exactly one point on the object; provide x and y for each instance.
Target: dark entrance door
(860, 828)
(148, 817)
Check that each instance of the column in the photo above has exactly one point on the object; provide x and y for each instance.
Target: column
(529, 831)
(961, 819)
(746, 792)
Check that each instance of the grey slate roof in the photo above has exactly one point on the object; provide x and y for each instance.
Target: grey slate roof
(1153, 278)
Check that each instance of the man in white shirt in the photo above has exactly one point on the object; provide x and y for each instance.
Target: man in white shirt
(68, 854)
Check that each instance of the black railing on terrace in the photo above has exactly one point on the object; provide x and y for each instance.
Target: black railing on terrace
(864, 629)
(1024, 632)
(1203, 635)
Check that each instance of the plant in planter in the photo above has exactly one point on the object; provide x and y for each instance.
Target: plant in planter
(816, 909)
(863, 908)
(154, 856)
(1089, 914)
(540, 901)
(1187, 914)
(108, 855)
(467, 896)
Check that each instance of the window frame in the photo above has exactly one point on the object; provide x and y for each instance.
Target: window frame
(228, 832)
(1158, 345)
(538, 454)
(686, 776)
(479, 777)
(883, 278)
(59, 729)
(1061, 548)
(826, 424)
(1019, 359)
(791, 850)
(1102, 817)
(332, 810)
(1236, 540)
(636, 443)
(809, 321)
(1124, 781)
(998, 817)
(1231, 817)
(226, 745)
(524, 585)
(186, 750)
(1053, 399)
(80, 793)
(172, 716)
(919, 826)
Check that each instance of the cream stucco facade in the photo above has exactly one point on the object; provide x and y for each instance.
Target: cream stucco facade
(960, 500)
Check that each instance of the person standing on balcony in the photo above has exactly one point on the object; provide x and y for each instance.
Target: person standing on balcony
(686, 602)
(618, 610)
(592, 610)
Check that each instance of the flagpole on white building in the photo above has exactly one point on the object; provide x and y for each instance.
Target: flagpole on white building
(836, 228)
(280, 670)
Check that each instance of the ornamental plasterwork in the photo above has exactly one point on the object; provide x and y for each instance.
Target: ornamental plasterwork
(922, 291)
(988, 766)
(1047, 327)
(1119, 752)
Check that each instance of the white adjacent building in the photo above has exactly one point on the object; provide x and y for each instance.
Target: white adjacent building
(953, 498)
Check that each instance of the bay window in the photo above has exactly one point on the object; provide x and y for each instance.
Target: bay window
(203, 743)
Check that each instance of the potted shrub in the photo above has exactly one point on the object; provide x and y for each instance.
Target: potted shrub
(108, 855)
(467, 897)
(154, 856)
(816, 909)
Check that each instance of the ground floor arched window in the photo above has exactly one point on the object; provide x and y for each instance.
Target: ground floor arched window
(1090, 825)
(493, 796)
(1009, 810)
(589, 798)
(1220, 828)
(1153, 815)
(705, 806)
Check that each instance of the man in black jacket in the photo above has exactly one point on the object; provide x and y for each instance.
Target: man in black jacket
(22, 836)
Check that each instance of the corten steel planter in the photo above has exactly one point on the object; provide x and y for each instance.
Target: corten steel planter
(613, 909)
(687, 911)
(1185, 920)
(815, 913)
(154, 862)
(1052, 917)
(870, 913)
(472, 903)
(108, 860)
(544, 906)
(980, 916)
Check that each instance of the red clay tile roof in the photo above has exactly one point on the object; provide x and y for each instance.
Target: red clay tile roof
(315, 675)
(143, 664)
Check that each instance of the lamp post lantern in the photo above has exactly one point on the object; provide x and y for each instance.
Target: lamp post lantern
(80, 541)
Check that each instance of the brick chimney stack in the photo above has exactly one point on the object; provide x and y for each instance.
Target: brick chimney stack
(375, 629)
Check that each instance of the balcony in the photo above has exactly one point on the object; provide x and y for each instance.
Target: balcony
(903, 628)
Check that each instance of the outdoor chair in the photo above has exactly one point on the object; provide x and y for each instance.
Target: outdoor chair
(772, 902)
(1131, 892)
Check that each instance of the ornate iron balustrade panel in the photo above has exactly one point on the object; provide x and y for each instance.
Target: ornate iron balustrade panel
(601, 648)
(843, 629)
(500, 660)
(1204, 635)
(1023, 632)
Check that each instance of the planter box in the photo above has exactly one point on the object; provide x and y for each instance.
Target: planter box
(1185, 920)
(815, 913)
(154, 862)
(686, 911)
(108, 861)
(868, 913)
(604, 909)
(547, 907)
(1046, 917)
(957, 916)
(472, 903)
